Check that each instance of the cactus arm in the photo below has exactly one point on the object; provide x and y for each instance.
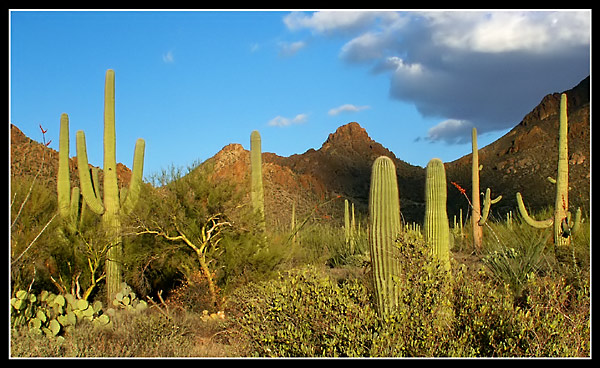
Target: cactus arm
(63, 180)
(531, 221)
(384, 228)
(436, 226)
(133, 193)
(74, 207)
(487, 202)
(87, 189)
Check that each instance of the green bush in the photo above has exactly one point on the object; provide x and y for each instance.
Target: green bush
(304, 314)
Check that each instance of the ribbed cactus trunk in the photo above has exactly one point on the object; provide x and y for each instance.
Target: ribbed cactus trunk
(561, 203)
(256, 190)
(63, 180)
(111, 220)
(113, 205)
(479, 216)
(475, 202)
(384, 228)
(436, 226)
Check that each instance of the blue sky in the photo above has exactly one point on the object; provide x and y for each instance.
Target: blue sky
(191, 82)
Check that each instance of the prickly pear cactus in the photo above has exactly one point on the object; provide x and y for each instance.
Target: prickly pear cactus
(127, 300)
(53, 315)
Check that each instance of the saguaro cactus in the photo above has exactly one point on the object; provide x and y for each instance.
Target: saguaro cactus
(68, 199)
(256, 190)
(563, 226)
(349, 226)
(68, 203)
(384, 228)
(478, 218)
(113, 205)
(436, 227)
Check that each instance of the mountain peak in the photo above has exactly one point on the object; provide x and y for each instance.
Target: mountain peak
(348, 132)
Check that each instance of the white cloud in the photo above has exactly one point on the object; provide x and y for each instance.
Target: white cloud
(486, 67)
(451, 131)
(281, 121)
(335, 21)
(290, 48)
(509, 31)
(346, 108)
(168, 57)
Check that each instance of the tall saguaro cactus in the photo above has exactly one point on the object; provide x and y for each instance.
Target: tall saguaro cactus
(563, 225)
(436, 226)
(113, 205)
(256, 189)
(478, 218)
(384, 228)
(68, 203)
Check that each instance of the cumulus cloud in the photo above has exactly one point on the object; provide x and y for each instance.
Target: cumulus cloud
(346, 108)
(482, 68)
(281, 121)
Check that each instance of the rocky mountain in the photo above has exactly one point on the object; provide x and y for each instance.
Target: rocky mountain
(28, 156)
(521, 161)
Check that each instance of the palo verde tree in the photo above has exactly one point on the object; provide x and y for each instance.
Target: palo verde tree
(186, 215)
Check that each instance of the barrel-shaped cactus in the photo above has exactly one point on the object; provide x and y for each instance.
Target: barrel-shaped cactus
(436, 227)
(384, 228)
(113, 205)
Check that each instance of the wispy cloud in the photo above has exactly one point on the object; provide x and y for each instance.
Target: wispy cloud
(346, 108)
(480, 68)
(168, 57)
(281, 121)
(287, 49)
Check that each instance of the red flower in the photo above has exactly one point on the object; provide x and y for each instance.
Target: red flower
(42, 129)
(461, 189)
(47, 144)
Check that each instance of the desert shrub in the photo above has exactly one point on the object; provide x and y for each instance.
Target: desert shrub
(304, 314)
(555, 319)
(32, 206)
(420, 326)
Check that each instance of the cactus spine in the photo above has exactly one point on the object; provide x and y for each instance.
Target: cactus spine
(436, 227)
(112, 206)
(563, 226)
(256, 190)
(384, 228)
(478, 218)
